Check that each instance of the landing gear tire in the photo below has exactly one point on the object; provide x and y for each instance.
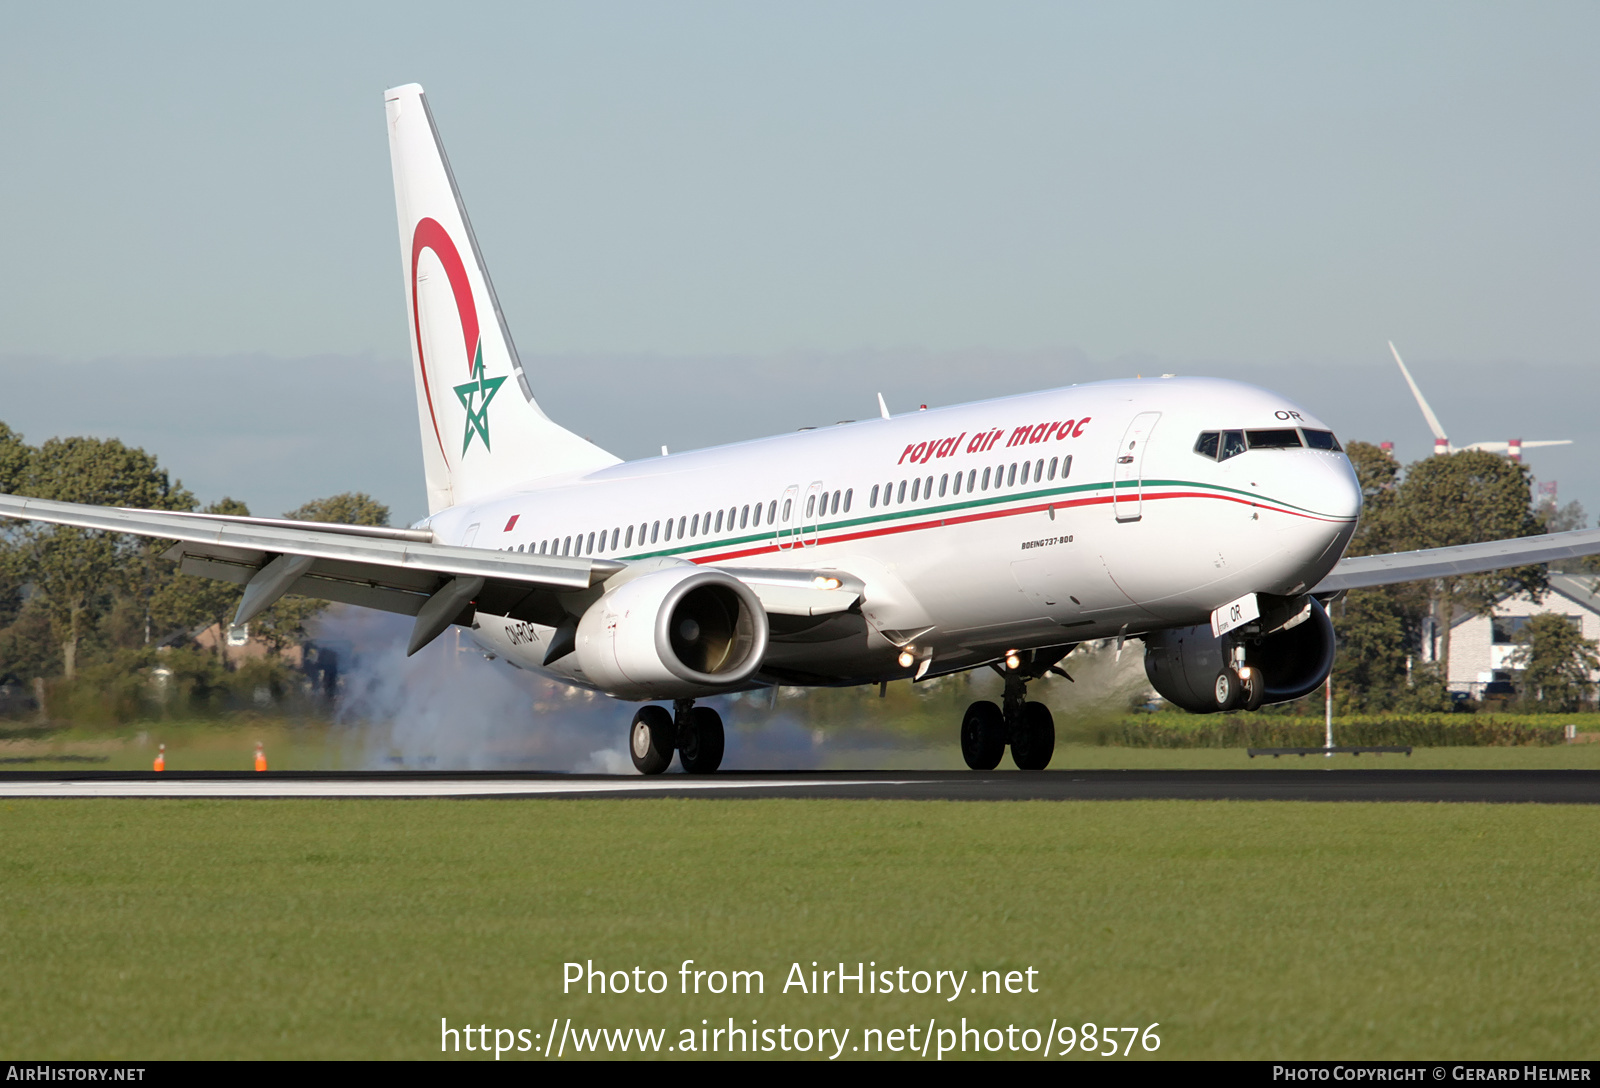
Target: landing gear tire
(1034, 739)
(1227, 689)
(983, 736)
(701, 750)
(1255, 688)
(650, 739)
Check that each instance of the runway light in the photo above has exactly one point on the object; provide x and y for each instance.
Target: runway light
(907, 659)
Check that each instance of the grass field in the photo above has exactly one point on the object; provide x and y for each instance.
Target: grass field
(151, 929)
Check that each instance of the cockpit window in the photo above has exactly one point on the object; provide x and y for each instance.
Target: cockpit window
(1286, 438)
(1321, 440)
(1232, 444)
(1207, 445)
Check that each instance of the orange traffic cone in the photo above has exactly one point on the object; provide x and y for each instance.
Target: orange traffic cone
(161, 759)
(261, 758)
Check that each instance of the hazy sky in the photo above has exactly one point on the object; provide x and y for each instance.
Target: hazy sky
(716, 202)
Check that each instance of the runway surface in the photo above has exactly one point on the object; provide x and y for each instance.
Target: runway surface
(1541, 787)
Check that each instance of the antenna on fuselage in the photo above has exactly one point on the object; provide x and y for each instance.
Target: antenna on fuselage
(883, 409)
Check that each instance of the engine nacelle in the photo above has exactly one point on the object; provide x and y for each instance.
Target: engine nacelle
(1183, 664)
(675, 633)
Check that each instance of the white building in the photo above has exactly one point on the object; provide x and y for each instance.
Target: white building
(1480, 646)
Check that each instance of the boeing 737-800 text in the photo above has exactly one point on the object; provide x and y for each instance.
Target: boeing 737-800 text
(1206, 518)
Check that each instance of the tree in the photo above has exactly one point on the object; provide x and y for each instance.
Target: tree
(1466, 498)
(15, 454)
(78, 571)
(346, 508)
(1376, 627)
(1556, 661)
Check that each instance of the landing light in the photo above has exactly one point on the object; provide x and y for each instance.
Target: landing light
(825, 583)
(1013, 662)
(907, 659)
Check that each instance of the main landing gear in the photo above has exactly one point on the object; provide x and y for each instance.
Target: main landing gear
(694, 732)
(986, 729)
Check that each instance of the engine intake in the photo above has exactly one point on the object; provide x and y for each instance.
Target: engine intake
(1182, 664)
(680, 632)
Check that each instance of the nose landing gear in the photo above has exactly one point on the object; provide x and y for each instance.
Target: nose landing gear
(694, 732)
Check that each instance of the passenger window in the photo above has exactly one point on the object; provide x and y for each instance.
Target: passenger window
(772, 511)
(1025, 468)
(811, 506)
(682, 521)
(1232, 444)
(833, 508)
(566, 546)
(628, 542)
(927, 488)
(1012, 478)
(971, 476)
(916, 485)
(849, 492)
(543, 544)
(1206, 446)
(944, 484)
(900, 495)
(719, 521)
(1321, 440)
(888, 492)
(614, 534)
(602, 540)
(956, 484)
(1054, 461)
(655, 530)
(668, 534)
(985, 478)
(590, 549)
(744, 516)
(755, 517)
(788, 506)
(1038, 470)
(873, 502)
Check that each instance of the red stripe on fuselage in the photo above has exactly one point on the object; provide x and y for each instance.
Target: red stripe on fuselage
(989, 515)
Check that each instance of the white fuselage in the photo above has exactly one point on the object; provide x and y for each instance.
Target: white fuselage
(1116, 526)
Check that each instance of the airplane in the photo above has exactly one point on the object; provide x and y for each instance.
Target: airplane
(1206, 518)
(1441, 444)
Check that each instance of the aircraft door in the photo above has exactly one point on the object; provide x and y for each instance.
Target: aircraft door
(787, 515)
(811, 513)
(1127, 476)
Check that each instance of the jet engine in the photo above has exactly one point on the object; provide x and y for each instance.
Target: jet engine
(1184, 664)
(679, 632)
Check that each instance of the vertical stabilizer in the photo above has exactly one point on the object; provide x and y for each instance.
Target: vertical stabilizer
(482, 430)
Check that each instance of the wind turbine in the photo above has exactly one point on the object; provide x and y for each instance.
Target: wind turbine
(1512, 448)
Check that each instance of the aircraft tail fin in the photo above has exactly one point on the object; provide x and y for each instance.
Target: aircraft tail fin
(482, 429)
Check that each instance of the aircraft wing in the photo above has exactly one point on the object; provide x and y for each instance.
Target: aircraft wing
(1363, 571)
(396, 570)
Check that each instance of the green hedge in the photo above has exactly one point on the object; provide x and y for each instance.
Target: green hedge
(1258, 731)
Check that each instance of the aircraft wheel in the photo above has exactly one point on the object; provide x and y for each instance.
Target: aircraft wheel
(1254, 688)
(983, 736)
(650, 739)
(1227, 689)
(1034, 741)
(701, 752)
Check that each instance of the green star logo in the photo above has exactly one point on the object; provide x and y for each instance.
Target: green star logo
(481, 390)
